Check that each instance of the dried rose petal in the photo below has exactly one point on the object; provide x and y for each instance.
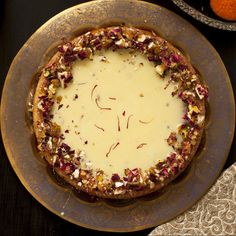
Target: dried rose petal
(172, 139)
(171, 158)
(65, 147)
(117, 30)
(66, 48)
(115, 177)
(201, 91)
(164, 172)
(45, 105)
(115, 33)
(160, 164)
(68, 168)
(69, 58)
(182, 67)
(174, 169)
(175, 58)
(82, 54)
(187, 97)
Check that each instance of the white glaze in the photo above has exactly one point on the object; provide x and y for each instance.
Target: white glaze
(139, 91)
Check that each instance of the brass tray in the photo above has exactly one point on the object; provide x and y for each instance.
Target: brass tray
(122, 216)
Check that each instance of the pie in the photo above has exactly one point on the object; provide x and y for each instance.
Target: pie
(119, 112)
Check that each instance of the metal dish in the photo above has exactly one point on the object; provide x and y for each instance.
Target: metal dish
(202, 15)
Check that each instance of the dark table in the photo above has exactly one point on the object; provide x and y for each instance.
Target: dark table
(20, 213)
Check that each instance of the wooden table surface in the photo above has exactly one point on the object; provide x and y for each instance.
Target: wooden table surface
(20, 213)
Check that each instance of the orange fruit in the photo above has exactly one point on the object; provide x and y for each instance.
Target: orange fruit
(225, 9)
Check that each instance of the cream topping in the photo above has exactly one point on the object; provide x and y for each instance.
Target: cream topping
(117, 111)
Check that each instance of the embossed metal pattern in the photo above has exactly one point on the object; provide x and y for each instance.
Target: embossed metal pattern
(107, 215)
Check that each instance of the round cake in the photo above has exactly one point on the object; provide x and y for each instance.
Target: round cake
(118, 112)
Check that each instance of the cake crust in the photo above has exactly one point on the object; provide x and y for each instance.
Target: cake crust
(167, 59)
